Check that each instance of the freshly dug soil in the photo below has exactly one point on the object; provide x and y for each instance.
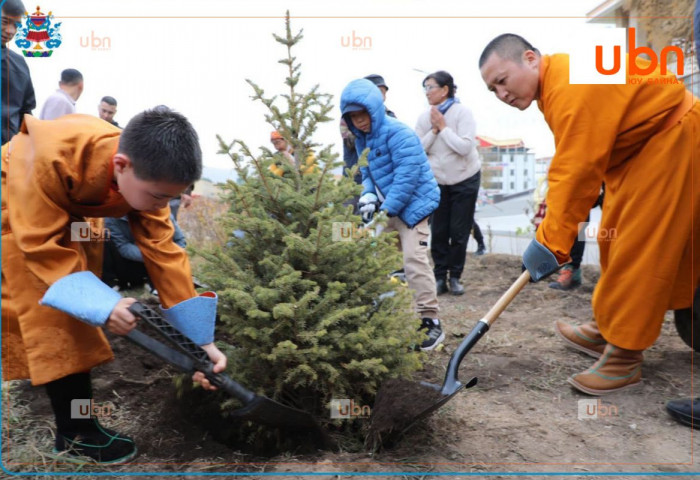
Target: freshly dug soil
(397, 405)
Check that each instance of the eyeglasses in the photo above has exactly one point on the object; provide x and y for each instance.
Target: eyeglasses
(428, 88)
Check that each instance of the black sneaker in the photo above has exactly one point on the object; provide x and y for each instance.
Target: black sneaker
(434, 332)
(480, 250)
(102, 446)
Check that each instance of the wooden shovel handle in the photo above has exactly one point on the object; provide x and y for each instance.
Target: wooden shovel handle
(506, 298)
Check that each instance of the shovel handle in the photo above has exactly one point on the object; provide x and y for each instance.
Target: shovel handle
(197, 354)
(451, 384)
(506, 298)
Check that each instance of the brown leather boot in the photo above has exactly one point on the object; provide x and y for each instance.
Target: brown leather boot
(616, 369)
(584, 338)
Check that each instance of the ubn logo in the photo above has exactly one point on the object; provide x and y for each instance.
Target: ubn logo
(86, 408)
(84, 232)
(592, 232)
(601, 59)
(591, 409)
(347, 232)
(357, 43)
(347, 408)
(96, 43)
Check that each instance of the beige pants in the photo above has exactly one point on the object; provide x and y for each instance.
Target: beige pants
(419, 274)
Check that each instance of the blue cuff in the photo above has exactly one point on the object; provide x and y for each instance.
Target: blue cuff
(195, 318)
(84, 296)
(539, 261)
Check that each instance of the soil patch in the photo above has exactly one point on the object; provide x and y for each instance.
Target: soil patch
(521, 417)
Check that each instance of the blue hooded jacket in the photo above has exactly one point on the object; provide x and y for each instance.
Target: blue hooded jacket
(397, 165)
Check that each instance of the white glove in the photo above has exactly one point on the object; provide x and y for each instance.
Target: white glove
(367, 205)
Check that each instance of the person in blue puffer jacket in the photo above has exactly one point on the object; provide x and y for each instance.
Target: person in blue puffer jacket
(398, 180)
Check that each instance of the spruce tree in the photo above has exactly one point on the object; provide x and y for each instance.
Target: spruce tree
(307, 312)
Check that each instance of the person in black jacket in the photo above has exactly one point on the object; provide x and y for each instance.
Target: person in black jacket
(123, 262)
(17, 96)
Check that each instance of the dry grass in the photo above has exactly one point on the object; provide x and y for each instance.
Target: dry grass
(200, 222)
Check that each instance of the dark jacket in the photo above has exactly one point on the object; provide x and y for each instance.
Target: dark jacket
(17, 97)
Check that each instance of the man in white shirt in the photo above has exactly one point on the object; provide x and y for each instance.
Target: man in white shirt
(62, 101)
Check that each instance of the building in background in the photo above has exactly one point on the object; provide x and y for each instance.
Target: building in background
(508, 166)
(541, 168)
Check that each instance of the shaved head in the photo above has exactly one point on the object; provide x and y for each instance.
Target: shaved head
(508, 46)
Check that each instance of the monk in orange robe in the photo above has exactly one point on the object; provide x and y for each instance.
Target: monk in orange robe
(643, 140)
(56, 173)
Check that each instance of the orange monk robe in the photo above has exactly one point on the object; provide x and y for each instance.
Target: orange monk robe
(643, 140)
(54, 173)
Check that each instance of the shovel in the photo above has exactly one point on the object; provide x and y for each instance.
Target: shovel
(189, 357)
(451, 385)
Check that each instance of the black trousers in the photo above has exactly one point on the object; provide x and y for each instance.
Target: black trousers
(476, 231)
(451, 224)
(578, 248)
(117, 270)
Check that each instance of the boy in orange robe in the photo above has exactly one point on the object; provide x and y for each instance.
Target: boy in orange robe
(643, 140)
(56, 173)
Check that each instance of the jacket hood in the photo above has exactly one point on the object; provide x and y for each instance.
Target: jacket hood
(366, 94)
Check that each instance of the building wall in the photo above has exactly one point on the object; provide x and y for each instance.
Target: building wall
(508, 171)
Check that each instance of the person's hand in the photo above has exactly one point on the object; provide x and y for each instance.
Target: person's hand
(218, 359)
(367, 205)
(437, 120)
(185, 200)
(121, 321)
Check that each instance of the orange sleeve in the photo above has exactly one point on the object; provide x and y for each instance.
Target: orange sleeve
(38, 217)
(167, 263)
(584, 120)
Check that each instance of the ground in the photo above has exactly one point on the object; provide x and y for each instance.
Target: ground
(521, 417)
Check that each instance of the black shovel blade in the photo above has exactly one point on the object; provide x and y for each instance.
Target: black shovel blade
(274, 414)
(442, 401)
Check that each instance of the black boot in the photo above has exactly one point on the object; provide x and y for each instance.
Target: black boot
(481, 249)
(455, 287)
(441, 286)
(686, 411)
(84, 437)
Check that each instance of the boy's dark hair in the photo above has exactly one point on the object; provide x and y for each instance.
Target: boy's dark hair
(443, 78)
(70, 76)
(162, 146)
(109, 101)
(13, 8)
(508, 46)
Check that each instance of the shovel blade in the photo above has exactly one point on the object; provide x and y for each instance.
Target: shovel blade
(268, 412)
(458, 387)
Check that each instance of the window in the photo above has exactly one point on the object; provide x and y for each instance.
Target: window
(525, 172)
(512, 185)
(512, 172)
